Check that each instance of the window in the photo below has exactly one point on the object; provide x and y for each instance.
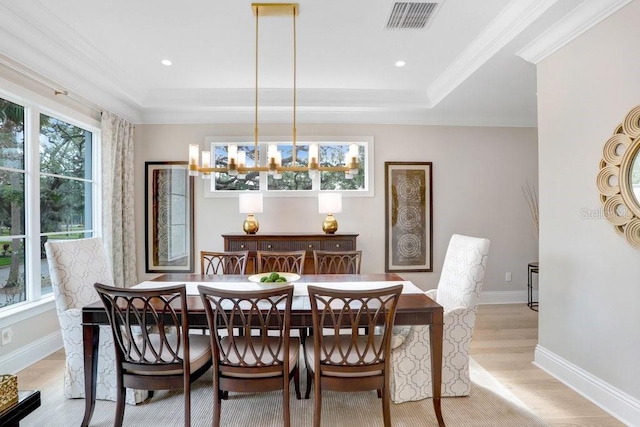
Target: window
(48, 191)
(331, 152)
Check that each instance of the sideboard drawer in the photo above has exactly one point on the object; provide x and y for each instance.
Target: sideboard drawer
(339, 245)
(242, 245)
(289, 245)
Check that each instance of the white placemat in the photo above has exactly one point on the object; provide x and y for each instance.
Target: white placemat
(299, 289)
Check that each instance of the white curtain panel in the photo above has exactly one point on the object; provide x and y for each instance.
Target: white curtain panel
(117, 198)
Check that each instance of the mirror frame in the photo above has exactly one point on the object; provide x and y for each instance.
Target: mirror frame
(155, 191)
(621, 208)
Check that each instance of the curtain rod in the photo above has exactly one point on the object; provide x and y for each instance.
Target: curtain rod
(47, 83)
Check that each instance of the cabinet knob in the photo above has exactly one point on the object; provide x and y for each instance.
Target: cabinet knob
(337, 245)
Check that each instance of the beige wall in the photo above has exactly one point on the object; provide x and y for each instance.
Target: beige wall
(477, 178)
(589, 332)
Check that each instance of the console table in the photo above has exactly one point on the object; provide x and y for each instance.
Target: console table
(288, 242)
(28, 401)
(532, 268)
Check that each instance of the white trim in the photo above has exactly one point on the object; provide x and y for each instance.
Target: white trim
(619, 404)
(510, 22)
(581, 19)
(31, 353)
(25, 310)
(503, 297)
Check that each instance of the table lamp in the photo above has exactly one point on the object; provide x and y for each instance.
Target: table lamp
(329, 203)
(250, 203)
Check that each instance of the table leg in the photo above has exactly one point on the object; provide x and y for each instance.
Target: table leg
(90, 337)
(436, 336)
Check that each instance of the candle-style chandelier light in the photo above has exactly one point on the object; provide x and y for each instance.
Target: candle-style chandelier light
(236, 159)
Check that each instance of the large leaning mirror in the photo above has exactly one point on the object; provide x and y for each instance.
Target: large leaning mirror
(169, 218)
(619, 178)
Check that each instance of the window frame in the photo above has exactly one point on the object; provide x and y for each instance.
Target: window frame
(34, 105)
(366, 141)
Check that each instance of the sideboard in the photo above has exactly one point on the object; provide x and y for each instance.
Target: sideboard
(288, 242)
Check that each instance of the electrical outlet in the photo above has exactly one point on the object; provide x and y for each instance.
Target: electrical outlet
(507, 276)
(7, 335)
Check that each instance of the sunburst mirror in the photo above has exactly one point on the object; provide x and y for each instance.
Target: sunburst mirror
(619, 178)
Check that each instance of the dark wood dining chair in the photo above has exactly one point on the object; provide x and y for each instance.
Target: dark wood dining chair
(337, 262)
(154, 350)
(223, 262)
(351, 361)
(266, 360)
(286, 261)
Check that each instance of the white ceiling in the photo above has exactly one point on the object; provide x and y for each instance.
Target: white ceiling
(474, 64)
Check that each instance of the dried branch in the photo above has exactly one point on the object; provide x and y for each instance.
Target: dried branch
(531, 196)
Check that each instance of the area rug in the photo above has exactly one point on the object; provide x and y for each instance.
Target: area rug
(490, 404)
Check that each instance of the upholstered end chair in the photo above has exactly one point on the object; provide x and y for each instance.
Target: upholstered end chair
(75, 266)
(458, 292)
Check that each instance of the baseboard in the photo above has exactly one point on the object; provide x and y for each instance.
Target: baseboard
(31, 353)
(504, 297)
(616, 402)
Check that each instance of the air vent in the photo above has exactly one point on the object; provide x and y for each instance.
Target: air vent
(410, 15)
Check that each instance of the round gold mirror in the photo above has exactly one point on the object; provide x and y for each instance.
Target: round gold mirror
(619, 178)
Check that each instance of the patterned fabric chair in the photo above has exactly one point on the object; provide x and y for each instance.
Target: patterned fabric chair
(458, 292)
(74, 266)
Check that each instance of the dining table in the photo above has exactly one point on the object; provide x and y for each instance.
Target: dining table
(413, 308)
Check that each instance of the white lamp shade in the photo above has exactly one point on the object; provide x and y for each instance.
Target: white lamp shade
(250, 202)
(330, 203)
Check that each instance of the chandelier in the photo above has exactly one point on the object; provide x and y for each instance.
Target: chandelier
(236, 159)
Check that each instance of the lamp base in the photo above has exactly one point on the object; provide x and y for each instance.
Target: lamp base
(329, 225)
(250, 224)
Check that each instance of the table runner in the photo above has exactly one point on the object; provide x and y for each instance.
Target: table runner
(299, 289)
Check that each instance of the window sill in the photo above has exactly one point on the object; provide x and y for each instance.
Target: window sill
(26, 310)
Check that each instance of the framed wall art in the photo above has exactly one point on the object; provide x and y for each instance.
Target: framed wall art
(169, 239)
(408, 216)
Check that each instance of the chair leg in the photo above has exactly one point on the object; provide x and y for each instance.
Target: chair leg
(379, 393)
(285, 403)
(217, 401)
(187, 405)
(317, 406)
(386, 409)
(309, 380)
(149, 394)
(296, 381)
(120, 399)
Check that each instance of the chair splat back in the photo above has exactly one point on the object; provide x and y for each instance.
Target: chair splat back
(141, 322)
(338, 310)
(259, 311)
(337, 262)
(223, 262)
(286, 262)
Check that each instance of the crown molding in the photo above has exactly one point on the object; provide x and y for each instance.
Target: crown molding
(43, 34)
(581, 19)
(511, 21)
(337, 115)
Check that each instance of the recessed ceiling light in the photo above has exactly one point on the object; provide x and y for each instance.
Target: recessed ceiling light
(400, 64)
(166, 62)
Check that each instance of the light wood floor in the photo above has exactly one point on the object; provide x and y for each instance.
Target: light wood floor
(503, 344)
